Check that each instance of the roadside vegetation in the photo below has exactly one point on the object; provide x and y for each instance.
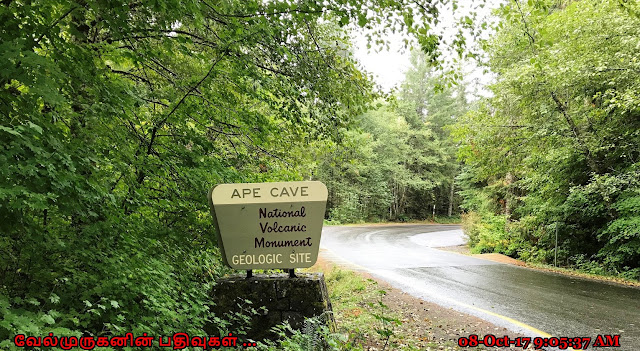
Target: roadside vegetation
(116, 118)
(372, 317)
(363, 320)
(431, 220)
(556, 151)
(398, 163)
(553, 153)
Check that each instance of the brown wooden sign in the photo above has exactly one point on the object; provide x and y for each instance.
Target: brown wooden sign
(269, 225)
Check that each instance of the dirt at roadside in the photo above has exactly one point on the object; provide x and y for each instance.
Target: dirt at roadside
(496, 257)
(425, 325)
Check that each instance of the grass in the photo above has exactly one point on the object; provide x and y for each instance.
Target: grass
(580, 273)
(358, 306)
(436, 220)
(350, 295)
(361, 314)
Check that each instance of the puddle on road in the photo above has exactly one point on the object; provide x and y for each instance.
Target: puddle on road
(439, 239)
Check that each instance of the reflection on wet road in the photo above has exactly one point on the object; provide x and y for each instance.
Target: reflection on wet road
(521, 299)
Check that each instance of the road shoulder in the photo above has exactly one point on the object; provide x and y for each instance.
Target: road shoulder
(424, 325)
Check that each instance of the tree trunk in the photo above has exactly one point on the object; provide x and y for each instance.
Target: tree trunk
(562, 107)
(450, 210)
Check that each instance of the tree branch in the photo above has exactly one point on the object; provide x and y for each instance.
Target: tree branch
(142, 79)
(162, 122)
(526, 25)
(576, 132)
(56, 22)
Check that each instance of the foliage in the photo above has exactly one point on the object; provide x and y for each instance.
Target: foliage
(556, 147)
(315, 336)
(357, 304)
(349, 294)
(118, 117)
(400, 164)
(457, 219)
(386, 326)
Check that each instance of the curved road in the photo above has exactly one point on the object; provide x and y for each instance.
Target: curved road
(527, 301)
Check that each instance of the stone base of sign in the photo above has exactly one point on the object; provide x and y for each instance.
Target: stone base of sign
(275, 297)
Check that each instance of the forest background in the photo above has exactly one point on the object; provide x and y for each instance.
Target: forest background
(118, 117)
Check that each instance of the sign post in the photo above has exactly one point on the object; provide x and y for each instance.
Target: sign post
(269, 225)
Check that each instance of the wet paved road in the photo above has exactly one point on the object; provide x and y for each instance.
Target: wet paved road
(517, 298)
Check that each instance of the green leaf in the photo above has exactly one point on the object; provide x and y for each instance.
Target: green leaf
(36, 127)
(54, 298)
(48, 319)
(10, 131)
(362, 20)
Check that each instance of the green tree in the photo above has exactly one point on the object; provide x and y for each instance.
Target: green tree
(557, 145)
(427, 101)
(390, 169)
(401, 163)
(116, 117)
